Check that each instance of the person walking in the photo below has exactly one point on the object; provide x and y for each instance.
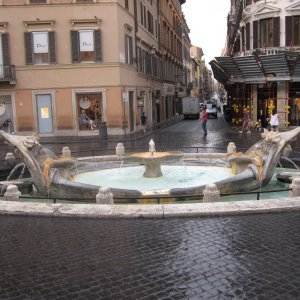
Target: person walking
(204, 118)
(143, 121)
(246, 122)
(274, 121)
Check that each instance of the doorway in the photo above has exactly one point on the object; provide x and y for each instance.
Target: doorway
(44, 113)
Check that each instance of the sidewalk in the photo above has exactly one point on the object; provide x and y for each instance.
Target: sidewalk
(134, 136)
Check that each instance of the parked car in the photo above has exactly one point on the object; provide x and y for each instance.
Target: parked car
(211, 110)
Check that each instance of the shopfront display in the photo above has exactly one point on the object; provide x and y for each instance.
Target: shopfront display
(91, 106)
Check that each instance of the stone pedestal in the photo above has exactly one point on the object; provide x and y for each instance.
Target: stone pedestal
(295, 186)
(211, 193)
(12, 193)
(231, 148)
(120, 150)
(104, 196)
(10, 160)
(66, 152)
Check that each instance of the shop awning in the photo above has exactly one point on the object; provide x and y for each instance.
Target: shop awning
(229, 66)
(219, 73)
(284, 66)
(249, 66)
(275, 64)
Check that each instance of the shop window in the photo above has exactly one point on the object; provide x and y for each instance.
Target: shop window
(40, 47)
(86, 46)
(89, 108)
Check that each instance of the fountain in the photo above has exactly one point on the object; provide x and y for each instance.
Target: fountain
(153, 172)
(153, 160)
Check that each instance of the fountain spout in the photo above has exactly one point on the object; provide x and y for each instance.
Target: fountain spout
(152, 147)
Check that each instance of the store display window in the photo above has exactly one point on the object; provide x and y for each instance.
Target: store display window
(89, 110)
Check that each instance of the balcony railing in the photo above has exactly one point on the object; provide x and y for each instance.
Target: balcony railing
(8, 74)
(266, 51)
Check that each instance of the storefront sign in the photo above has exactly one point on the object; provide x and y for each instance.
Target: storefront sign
(86, 40)
(40, 42)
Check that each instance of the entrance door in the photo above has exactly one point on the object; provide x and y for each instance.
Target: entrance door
(44, 113)
(131, 112)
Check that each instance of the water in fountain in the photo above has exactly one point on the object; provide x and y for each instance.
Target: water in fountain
(12, 173)
(289, 160)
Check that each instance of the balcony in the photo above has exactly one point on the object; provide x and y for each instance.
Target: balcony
(8, 74)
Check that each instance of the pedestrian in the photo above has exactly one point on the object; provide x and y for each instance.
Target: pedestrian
(274, 120)
(246, 122)
(143, 121)
(258, 126)
(204, 118)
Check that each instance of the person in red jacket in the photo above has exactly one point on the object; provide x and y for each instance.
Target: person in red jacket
(204, 118)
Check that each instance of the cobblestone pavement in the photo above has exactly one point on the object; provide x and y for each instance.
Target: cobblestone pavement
(240, 257)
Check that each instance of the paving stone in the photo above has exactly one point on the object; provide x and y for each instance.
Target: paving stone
(236, 257)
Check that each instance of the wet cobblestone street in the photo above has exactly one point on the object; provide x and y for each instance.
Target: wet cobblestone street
(240, 257)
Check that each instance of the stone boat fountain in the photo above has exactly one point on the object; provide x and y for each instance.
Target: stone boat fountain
(58, 176)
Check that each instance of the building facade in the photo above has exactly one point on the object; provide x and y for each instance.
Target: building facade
(60, 58)
(260, 68)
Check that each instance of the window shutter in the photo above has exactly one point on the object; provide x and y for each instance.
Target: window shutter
(130, 50)
(255, 34)
(5, 49)
(248, 36)
(276, 30)
(98, 46)
(75, 46)
(243, 42)
(28, 48)
(289, 31)
(52, 50)
(6, 54)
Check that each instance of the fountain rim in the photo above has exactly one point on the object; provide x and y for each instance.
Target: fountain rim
(150, 211)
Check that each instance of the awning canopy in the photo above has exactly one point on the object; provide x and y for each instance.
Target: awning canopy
(283, 66)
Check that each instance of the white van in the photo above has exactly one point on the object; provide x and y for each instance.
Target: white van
(191, 107)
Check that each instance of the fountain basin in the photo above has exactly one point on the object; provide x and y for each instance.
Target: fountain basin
(174, 177)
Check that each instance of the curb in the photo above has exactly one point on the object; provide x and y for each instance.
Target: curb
(142, 211)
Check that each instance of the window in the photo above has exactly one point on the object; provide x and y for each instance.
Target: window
(269, 33)
(150, 22)
(86, 46)
(128, 49)
(266, 33)
(89, 110)
(40, 47)
(126, 4)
